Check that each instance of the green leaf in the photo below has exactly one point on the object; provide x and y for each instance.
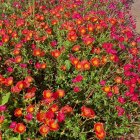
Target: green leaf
(68, 64)
(13, 138)
(5, 98)
(82, 136)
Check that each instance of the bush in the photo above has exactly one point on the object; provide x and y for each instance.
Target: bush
(69, 69)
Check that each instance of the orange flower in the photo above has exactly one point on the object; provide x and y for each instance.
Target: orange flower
(43, 65)
(20, 128)
(90, 27)
(95, 62)
(1, 119)
(18, 112)
(36, 52)
(115, 89)
(40, 116)
(107, 89)
(86, 64)
(44, 130)
(98, 127)
(18, 59)
(29, 79)
(76, 48)
(55, 53)
(63, 67)
(101, 135)
(66, 109)
(53, 125)
(79, 66)
(118, 80)
(16, 51)
(9, 81)
(30, 109)
(82, 30)
(47, 94)
(60, 93)
(87, 112)
(54, 108)
(74, 61)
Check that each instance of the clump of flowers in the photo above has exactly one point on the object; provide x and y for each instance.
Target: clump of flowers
(69, 69)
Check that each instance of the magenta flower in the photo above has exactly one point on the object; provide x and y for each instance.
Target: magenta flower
(60, 117)
(76, 89)
(13, 125)
(77, 79)
(2, 108)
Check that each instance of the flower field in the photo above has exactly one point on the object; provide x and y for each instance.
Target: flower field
(69, 70)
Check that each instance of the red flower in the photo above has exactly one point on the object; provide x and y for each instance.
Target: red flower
(47, 94)
(1, 119)
(101, 135)
(53, 125)
(66, 109)
(60, 117)
(49, 114)
(44, 130)
(87, 112)
(60, 93)
(98, 127)
(20, 128)
(18, 112)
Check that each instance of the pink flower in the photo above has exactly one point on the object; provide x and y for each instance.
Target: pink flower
(121, 100)
(13, 125)
(2, 108)
(76, 89)
(53, 43)
(102, 82)
(120, 110)
(10, 69)
(23, 65)
(29, 117)
(109, 94)
(60, 117)
(134, 98)
(77, 79)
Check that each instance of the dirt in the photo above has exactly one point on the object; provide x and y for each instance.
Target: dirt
(136, 13)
